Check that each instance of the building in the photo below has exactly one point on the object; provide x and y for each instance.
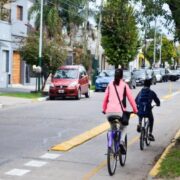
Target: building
(13, 28)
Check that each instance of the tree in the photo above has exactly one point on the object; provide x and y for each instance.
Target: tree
(177, 57)
(168, 51)
(119, 32)
(175, 9)
(53, 54)
(52, 23)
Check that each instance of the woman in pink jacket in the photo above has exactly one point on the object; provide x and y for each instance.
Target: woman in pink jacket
(111, 105)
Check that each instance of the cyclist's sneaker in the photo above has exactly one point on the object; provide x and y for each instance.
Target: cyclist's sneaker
(151, 137)
(139, 128)
(123, 147)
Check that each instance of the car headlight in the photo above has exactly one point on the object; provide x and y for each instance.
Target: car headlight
(73, 84)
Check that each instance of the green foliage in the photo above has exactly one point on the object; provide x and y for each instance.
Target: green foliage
(167, 53)
(170, 167)
(22, 95)
(51, 19)
(119, 32)
(168, 50)
(175, 9)
(53, 54)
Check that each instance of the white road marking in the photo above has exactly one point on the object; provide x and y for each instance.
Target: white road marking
(35, 163)
(17, 172)
(50, 156)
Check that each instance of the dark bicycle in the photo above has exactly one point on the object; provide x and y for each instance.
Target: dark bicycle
(114, 146)
(145, 131)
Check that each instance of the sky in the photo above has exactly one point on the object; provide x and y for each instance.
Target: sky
(159, 24)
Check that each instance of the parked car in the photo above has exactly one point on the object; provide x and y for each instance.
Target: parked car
(69, 81)
(157, 73)
(129, 79)
(103, 79)
(173, 75)
(139, 76)
(164, 73)
(150, 75)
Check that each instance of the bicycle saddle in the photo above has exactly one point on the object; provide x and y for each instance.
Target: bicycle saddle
(114, 118)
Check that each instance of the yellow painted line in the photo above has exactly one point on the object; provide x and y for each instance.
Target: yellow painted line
(167, 96)
(77, 140)
(65, 146)
(155, 170)
(95, 170)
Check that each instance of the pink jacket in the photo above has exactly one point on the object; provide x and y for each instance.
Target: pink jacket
(111, 102)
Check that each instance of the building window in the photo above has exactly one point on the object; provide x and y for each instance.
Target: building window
(19, 13)
(6, 60)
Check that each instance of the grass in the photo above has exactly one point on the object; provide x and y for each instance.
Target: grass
(170, 166)
(22, 95)
(92, 87)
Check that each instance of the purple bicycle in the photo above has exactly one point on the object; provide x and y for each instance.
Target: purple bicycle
(115, 148)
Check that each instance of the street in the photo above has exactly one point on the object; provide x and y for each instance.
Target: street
(29, 131)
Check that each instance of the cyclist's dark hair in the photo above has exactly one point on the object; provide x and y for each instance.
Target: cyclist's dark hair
(147, 82)
(118, 76)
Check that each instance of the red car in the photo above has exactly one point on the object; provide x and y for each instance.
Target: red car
(69, 81)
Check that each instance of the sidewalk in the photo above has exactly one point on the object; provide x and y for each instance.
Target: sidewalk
(12, 101)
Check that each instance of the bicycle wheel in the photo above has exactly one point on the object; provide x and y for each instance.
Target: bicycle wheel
(142, 138)
(122, 157)
(147, 135)
(111, 159)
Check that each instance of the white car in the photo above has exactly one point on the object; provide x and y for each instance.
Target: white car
(158, 75)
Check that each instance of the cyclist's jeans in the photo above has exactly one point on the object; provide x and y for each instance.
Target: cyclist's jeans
(151, 121)
(122, 128)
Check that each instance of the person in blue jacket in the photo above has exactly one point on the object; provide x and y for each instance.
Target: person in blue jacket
(149, 96)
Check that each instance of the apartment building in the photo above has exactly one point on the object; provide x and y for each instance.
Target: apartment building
(13, 28)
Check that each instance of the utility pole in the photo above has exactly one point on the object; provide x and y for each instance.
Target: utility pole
(85, 26)
(160, 53)
(99, 37)
(40, 43)
(155, 31)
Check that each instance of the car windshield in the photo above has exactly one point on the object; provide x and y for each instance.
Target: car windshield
(107, 73)
(157, 72)
(66, 74)
(139, 73)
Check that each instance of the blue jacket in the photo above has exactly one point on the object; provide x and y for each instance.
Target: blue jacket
(152, 95)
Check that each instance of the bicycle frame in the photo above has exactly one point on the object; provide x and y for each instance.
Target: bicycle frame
(112, 134)
(145, 122)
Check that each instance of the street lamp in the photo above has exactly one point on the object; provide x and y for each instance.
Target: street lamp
(40, 43)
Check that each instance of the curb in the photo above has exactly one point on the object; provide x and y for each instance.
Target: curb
(33, 100)
(77, 140)
(154, 171)
(80, 139)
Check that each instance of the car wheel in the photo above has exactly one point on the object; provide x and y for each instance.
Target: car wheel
(78, 97)
(87, 95)
(51, 98)
(95, 90)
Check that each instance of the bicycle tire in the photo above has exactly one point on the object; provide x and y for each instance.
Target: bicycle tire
(142, 138)
(147, 135)
(122, 157)
(111, 159)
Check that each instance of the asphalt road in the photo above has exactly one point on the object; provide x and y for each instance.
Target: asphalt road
(27, 133)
